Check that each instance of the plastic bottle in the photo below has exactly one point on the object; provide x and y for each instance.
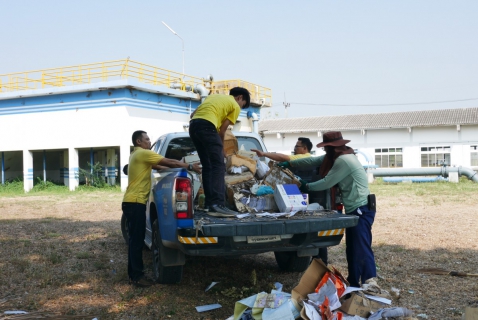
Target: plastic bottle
(201, 198)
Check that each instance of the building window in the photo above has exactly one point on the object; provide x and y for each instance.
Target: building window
(474, 155)
(389, 157)
(435, 156)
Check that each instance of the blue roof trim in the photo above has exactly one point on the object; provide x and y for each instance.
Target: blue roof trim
(103, 99)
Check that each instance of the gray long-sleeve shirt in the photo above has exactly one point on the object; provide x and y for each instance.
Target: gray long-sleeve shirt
(347, 172)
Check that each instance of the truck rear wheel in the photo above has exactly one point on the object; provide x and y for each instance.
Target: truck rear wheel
(290, 262)
(162, 274)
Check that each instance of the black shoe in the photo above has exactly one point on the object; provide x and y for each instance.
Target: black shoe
(217, 210)
(142, 282)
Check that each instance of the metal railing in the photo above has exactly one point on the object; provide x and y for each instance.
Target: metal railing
(259, 95)
(122, 69)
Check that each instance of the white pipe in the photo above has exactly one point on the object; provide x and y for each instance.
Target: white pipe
(255, 118)
(198, 88)
(202, 90)
(443, 171)
(363, 154)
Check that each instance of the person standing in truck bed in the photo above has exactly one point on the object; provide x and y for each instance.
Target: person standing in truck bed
(141, 161)
(340, 166)
(207, 129)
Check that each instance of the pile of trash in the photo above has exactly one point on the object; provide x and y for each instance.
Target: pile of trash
(322, 294)
(254, 187)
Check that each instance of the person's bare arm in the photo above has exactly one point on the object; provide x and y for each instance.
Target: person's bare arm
(173, 163)
(158, 167)
(273, 156)
(222, 130)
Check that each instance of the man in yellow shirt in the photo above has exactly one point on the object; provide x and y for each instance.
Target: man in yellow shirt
(141, 161)
(207, 129)
(302, 149)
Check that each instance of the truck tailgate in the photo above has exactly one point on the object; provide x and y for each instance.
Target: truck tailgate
(257, 226)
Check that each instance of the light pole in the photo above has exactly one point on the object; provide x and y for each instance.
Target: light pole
(174, 32)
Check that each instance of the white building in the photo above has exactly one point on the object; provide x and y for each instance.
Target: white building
(53, 122)
(390, 140)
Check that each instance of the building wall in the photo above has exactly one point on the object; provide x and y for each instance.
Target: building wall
(411, 142)
(81, 120)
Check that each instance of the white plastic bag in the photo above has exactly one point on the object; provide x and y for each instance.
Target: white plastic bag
(262, 169)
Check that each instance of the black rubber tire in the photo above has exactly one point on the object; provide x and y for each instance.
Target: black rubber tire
(162, 274)
(124, 229)
(290, 262)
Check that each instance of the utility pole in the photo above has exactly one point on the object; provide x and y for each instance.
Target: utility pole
(286, 105)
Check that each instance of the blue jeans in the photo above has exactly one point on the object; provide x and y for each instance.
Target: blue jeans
(136, 215)
(210, 150)
(358, 241)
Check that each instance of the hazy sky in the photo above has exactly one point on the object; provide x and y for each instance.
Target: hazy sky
(366, 55)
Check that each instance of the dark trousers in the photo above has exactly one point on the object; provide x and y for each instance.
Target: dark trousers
(211, 153)
(358, 241)
(136, 215)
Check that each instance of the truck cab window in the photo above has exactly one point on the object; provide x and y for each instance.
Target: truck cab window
(248, 143)
(179, 148)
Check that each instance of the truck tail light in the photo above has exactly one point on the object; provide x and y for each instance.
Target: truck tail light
(339, 207)
(184, 205)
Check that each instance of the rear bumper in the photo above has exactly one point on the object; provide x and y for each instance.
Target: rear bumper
(231, 246)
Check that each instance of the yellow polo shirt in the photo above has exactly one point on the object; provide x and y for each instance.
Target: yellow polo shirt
(216, 108)
(139, 174)
(299, 156)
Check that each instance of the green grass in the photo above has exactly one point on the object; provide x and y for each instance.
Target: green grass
(442, 189)
(15, 188)
(11, 187)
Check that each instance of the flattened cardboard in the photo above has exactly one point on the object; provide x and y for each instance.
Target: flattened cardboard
(360, 306)
(471, 313)
(230, 143)
(232, 179)
(238, 160)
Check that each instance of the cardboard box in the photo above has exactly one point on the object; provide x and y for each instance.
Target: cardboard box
(359, 305)
(238, 161)
(278, 175)
(307, 284)
(289, 198)
(230, 143)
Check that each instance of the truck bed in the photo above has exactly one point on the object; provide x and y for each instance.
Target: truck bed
(301, 222)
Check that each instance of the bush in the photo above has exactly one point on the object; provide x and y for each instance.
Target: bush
(94, 176)
(14, 186)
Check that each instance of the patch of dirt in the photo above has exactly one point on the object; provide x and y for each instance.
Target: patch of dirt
(65, 255)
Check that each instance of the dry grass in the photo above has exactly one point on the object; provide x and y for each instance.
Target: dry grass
(64, 254)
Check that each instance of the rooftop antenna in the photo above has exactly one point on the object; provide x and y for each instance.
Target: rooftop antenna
(286, 105)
